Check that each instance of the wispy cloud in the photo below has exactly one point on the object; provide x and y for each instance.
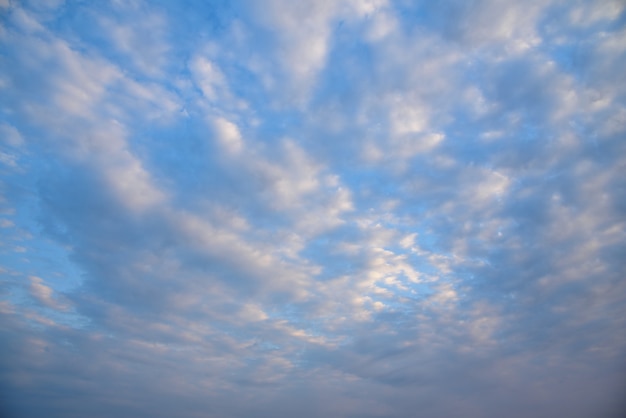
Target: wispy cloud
(352, 208)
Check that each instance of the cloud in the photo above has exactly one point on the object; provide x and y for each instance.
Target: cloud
(141, 37)
(44, 294)
(11, 136)
(209, 78)
(228, 135)
(355, 208)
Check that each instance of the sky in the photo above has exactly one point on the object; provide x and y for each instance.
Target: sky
(343, 208)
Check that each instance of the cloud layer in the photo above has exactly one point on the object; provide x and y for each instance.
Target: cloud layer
(318, 208)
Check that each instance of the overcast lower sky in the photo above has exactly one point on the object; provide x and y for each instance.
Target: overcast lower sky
(359, 208)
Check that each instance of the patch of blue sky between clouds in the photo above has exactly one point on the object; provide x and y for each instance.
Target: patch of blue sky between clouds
(315, 208)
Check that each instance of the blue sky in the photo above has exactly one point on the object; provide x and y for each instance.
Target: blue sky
(358, 208)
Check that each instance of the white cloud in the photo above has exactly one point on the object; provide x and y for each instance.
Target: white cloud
(228, 135)
(303, 32)
(588, 13)
(383, 24)
(10, 135)
(207, 77)
(141, 39)
(44, 294)
(79, 93)
(5, 223)
(408, 118)
(365, 8)
(8, 159)
(25, 21)
(131, 182)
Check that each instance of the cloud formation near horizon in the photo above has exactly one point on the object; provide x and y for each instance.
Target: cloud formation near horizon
(351, 208)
